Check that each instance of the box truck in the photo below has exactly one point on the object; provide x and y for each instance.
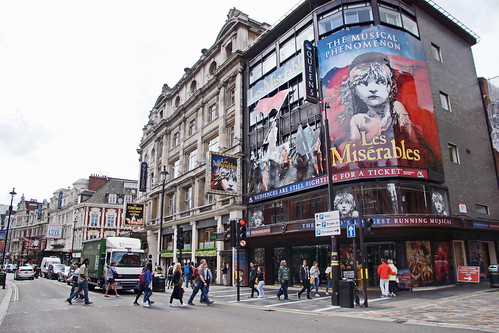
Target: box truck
(126, 252)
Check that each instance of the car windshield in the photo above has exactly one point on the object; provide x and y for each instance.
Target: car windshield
(25, 269)
(129, 259)
(58, 267)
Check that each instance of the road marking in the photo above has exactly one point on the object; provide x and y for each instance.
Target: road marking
(285, 303)
(327, 309)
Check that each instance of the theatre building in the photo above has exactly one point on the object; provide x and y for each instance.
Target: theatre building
(407, 142)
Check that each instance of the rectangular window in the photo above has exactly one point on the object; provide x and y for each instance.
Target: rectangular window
(192, 160)
(212, 112)
(112, 198)
(287, 49)
(128, 198)
(255, 73)
(444, 101)
(94, 220)
(213, 144)
(358, 13)
(435, 52)
(176, 169)
(192, 127)
(390, 15)
(410, 24)
(305, 34)
(330, 21)
(269, 63)
(231, 135)
(176, 139)
(482, 209)
(171, 202)
(454, 153)
(110, 221)
(232, 96)
(188, 198)
(92, 237)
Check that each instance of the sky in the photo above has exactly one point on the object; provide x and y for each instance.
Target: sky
(78, 79)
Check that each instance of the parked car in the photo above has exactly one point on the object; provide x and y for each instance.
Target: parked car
(24, 272)
(53, 271)
(10, 268)
(65, 273)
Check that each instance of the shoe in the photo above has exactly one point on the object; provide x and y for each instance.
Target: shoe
(327, 293)
(145, 305)
(382, 296)
(107, 296)
(287, 299)
(279, 297)
(190, 303)
(117, 295)
(298, 295)
(172, 305)
(151, 302)
(317, 295)
(308, 297)
(88, 303)
(69, 301)
(135, 303)
(210, 303)
(261, 297)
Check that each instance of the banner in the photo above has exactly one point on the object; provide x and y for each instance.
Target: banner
(54, 231)
(32, 244)
(224, 174)
(134, 214)
(379, 105)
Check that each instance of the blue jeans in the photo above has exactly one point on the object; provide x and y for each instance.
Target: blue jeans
(283, 289)
(316, 285)
(188, 278)
(81, 286)
(329, 284)
(204, 292)
(147, 293)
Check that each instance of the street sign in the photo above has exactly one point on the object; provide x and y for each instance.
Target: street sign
(351, 230)
(242, 242)
(327, 216)
(468, 274)
(327, 224)
(327, 232)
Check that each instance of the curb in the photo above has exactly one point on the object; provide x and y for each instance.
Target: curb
(4, 306)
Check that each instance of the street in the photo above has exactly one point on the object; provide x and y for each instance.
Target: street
(39, 306)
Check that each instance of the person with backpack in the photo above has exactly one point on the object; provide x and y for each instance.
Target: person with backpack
(188, 273)
(178, 291)
(140, 288)
(169, 276)
(200, 283)
(147, 285)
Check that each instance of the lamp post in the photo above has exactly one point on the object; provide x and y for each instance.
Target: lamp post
(164, 173)
(12, 194)
(73, 240)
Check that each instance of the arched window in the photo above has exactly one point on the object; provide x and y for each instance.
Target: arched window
(213, 67)
(177, 101)
(194, 86)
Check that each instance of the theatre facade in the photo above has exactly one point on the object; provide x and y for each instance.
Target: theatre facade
(381, 100)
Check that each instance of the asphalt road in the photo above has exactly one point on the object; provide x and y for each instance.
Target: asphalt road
(38, 306)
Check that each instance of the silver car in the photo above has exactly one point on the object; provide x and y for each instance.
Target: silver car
(24, 272)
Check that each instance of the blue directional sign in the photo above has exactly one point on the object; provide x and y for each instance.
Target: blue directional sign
(351, 230)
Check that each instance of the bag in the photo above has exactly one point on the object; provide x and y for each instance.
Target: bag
(142, 278)
(195, 273)
(312, 280)
(256, 281)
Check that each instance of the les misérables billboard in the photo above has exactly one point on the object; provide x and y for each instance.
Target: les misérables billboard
(379, 105)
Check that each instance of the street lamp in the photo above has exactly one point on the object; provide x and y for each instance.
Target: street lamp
(12, 194)
(164, 173)
(73, 240)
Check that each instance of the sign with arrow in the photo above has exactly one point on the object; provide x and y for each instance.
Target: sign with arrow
(327, 224)
(351, 230)
(468, 274)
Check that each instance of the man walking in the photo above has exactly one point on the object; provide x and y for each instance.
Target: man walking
(305, 279)
(82, 283)
(188, 274)
(384, 272)
(283, 277)
(252, 278)
(200, 284)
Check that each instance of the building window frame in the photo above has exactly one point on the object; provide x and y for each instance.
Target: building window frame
(212, 112)
(192, 159)
(482, 209)
(445, 101)
(110, 221)
(436, 52)
(192, 127)
(94, 220)
(453, 153)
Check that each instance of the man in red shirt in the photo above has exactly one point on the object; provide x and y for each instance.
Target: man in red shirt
(384, 272)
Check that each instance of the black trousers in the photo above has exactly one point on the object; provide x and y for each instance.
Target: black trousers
(306, 286)
(253, 289)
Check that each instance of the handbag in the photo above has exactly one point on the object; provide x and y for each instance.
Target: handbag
(312, 280)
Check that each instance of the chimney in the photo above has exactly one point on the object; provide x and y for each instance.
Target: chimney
(95, 182)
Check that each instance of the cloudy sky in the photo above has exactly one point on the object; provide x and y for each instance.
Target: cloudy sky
(77, 79)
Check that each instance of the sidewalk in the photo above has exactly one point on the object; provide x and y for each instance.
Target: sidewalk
(5, 295)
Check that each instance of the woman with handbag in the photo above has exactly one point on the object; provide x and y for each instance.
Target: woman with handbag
(178, 291)
(315, 274)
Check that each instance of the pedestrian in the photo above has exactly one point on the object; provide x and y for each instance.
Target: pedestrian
(283, 277)
(147, 285)
(141, 288)
(112, 280)
(392, 280)
(178, 291)
(200, 283)
(105, 274)
(305, 280)
(169, 276)
(74, 277)
(259, 281)
(225, 272)
(208, 277)
(252, 278)
(82, 283)
(187, 274)
(315, 274)
(384, 272)
(329, 277)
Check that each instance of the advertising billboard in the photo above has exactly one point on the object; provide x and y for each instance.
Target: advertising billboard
(134, 214)
(224, 173)
(54, 231)
(379, 105)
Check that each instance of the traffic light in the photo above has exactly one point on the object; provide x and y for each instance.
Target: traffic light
(242, 229)
(233, 233)
(180, 238)
(368, 226)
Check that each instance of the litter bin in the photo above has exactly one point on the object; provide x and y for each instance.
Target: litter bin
(3, 279)
(158, 283)
(346, 293)
(494, 276)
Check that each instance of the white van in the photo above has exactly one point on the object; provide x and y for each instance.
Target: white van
(46, 262)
